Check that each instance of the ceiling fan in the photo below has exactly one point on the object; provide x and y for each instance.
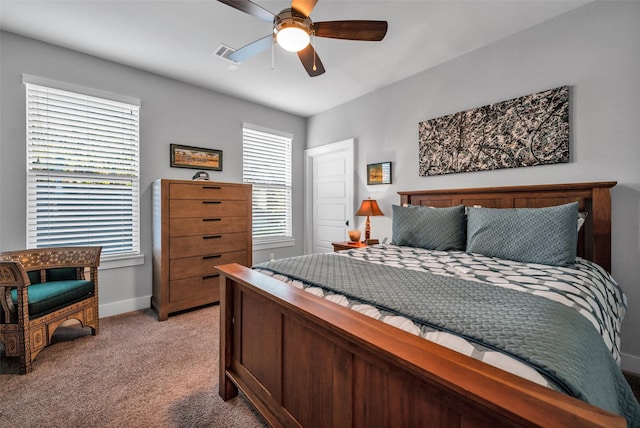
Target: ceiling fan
(293, 29)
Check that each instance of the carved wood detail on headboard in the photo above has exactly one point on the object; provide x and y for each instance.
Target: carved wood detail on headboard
(594, 239)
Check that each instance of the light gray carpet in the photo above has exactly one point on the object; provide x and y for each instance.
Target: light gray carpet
(137, 372)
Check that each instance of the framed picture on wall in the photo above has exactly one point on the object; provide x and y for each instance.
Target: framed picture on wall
(379, 173)
(195, 157)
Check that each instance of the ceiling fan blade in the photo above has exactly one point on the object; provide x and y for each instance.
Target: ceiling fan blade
(252, 49)
(352, 30)
(304, 6)
(310, 60)
(250, 8)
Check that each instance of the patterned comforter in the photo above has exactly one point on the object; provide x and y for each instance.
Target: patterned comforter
(585, 287)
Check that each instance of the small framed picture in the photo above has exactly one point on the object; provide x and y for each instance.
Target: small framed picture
(195, 157)
(379, 173)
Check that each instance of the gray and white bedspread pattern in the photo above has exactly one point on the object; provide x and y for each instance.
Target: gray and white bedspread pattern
(585, 287)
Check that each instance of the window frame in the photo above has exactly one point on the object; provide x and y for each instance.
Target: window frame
(114, 259)
(280, 240)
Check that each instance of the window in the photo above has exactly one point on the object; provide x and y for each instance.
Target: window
(266, 165)
(82, 171)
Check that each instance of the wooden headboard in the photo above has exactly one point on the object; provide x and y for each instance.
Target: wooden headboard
(594, 239)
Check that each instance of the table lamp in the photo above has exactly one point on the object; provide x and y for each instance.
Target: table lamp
(369, 207)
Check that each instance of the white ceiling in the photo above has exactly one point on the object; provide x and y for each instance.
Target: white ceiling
(177, 38)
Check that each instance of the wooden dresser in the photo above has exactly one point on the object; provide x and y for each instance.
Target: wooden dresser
(196, 226)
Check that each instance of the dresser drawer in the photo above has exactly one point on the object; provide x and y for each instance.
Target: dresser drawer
(207, 225)
(208, 191)
(189, 246)
(183, 208)
(197, 290)
(203, 265)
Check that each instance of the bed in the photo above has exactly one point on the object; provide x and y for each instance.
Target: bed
(303, 360)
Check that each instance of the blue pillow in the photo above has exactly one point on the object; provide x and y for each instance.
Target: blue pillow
(430, 228)
(530, 235)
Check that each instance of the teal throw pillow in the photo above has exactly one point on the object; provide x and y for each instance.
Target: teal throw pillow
(530, 235)
(431, 228)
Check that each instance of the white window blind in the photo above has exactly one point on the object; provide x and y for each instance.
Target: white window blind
(82, 171)
(266, 161)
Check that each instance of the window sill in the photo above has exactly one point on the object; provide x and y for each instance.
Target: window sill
(115, 262)
(275, 243)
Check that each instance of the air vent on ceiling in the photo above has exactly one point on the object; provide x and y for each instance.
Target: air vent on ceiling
(223, 51)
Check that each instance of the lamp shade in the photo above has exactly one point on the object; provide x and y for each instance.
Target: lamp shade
(369, 207)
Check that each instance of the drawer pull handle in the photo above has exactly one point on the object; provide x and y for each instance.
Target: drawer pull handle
(212, 237)
(212, 187)
(213, 256)
(211, 276)
(211, 219)
(212, 202)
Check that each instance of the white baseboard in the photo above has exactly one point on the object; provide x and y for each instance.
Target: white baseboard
(630, 363)
(124, 306)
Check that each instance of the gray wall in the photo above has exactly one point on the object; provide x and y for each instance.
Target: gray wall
(593, 49)
(171, 112)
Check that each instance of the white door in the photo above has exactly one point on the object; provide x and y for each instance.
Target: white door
(329, 195)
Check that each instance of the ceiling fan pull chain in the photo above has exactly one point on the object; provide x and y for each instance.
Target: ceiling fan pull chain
(273, 56)
(313, 39)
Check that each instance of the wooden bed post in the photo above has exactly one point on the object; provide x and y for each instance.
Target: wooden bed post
(601, 206)
(227, 389)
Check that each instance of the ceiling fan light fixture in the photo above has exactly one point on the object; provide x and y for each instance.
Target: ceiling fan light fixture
(293, 39)
(292, 30)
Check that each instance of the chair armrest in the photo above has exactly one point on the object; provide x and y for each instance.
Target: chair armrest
(13, 275)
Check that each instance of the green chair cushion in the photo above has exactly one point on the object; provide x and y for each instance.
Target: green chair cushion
(48, 296)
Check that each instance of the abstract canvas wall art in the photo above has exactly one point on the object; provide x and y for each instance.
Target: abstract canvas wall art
(526, 131)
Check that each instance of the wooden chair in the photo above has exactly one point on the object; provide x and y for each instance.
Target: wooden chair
(39, 290)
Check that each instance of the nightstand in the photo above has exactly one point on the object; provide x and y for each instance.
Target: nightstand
(347, 245)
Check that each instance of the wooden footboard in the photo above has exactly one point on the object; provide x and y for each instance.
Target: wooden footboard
(304, 361)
